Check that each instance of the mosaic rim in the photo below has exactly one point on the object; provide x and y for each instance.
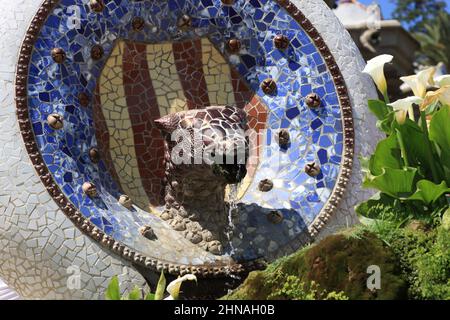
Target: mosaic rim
(88, 228)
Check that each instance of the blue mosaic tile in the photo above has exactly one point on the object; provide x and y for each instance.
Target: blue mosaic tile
(298, 72)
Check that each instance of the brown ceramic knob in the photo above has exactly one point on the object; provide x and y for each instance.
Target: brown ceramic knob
(97, 52)
(125, 201)
(55, 121)
(184, 22)
(312, 169)
(58, 55)
(89, 189)
(84, 99)
(312, 100)
(269, 86)
(281, 42)
(228, 2)
(275, 217)
(283, 138)
(97, 5)
(234, 45)
(94, 155)
(138, 24)
(265, 185)
(147, 232)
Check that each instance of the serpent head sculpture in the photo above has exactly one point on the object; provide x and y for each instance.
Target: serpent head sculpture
(205, 150)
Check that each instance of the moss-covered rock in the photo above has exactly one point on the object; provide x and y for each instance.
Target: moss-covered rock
(338, 264)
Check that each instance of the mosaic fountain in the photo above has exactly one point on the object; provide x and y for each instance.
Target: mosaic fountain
(100, 88)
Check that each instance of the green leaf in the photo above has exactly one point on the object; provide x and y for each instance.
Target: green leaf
(440, 134)
(379, 108)
(386, 124)
(394, 182)
(150, 296)
(113, 291)
(417, 147)
(383, 207)
(384, 114)
(159, 294)
(135, 294)
(387, 155)
(429, 192)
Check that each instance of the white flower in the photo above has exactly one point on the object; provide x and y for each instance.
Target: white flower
(174, 287)
(375, 68)
(443, 80)
(403, 106)
(420, 81)
(443, 95)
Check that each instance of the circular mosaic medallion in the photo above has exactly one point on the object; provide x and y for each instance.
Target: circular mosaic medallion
(93, 76)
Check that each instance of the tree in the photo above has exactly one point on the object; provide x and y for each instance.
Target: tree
(416, 13)
(435, 40)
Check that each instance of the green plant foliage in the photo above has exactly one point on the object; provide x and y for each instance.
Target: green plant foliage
(384, 114)
(135, 294)
(383, 207)
(428, 192)
(424, 258)
(113, 291)
(334, 267)
(433, 269)
(434, 39)
(417, 13)
(397, 183)
(159, 294)
(293, 289)
(440, 134)
(410, 167)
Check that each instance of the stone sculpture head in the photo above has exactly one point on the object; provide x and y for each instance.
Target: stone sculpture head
(205, 150)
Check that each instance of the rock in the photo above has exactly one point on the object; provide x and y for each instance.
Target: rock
(215, 247)
(336, 264)
(194, 237)
(166, 215)
(207, 235)
(178, 225)
(417, 225)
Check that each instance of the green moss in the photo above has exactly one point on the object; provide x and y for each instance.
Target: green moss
(423, 254)
(335, 267)
(425, 261)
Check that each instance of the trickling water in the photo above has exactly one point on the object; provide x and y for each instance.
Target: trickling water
(232, 206)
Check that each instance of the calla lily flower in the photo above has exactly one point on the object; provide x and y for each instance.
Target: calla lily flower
(403, 106)
(420, 81)
(375, 68)
(442, 95)
(443, 81)
(174, 287)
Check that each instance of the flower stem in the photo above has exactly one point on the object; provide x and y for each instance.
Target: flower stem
(401, 143)
(386, 97)
(429, 147)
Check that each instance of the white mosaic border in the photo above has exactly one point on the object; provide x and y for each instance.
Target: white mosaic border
(38, 243)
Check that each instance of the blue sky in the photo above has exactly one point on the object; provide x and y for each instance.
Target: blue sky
(388, 6)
